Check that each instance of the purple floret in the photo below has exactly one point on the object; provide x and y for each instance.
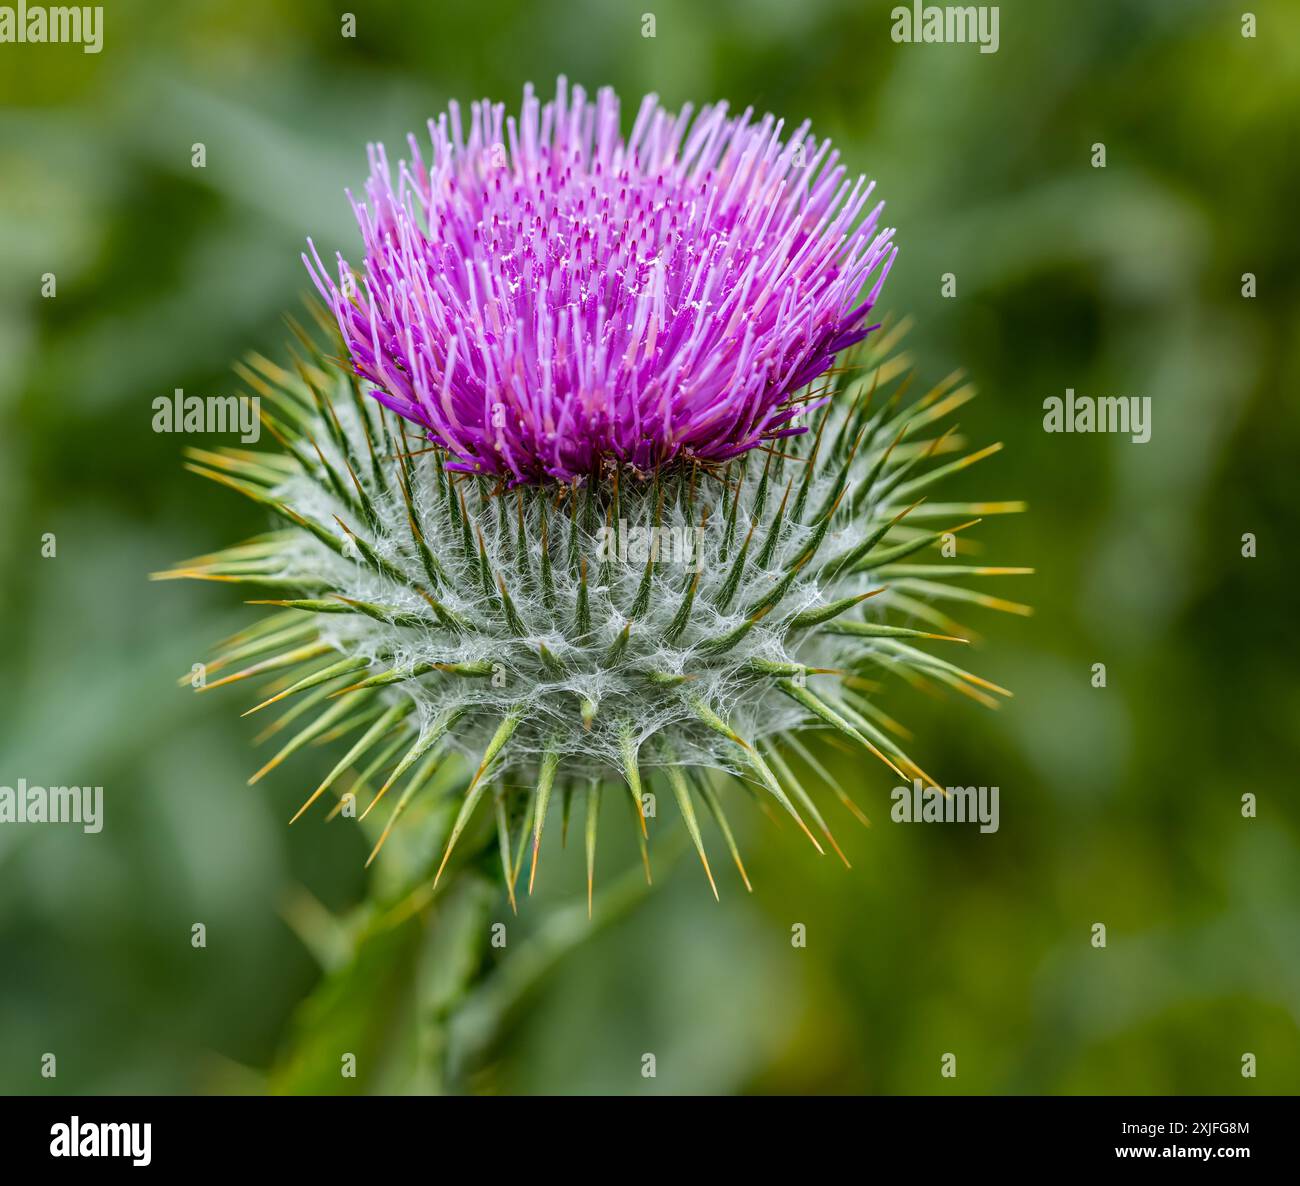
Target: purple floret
(547, 297)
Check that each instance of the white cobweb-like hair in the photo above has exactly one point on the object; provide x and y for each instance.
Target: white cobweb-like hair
(684, 625)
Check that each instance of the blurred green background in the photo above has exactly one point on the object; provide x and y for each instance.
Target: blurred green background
(1119, 806)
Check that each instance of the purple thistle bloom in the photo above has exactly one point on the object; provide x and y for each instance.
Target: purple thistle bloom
(547, 297)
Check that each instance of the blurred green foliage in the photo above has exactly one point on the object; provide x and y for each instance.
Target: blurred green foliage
(1119, 806)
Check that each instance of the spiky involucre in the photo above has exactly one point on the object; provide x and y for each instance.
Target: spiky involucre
(423, 613)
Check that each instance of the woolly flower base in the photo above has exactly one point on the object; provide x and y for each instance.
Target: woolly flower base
(689, 626)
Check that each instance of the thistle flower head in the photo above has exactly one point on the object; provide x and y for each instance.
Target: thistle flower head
(651, 314)
(546, 297)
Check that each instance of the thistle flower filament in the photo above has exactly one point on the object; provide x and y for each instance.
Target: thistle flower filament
(544, 296)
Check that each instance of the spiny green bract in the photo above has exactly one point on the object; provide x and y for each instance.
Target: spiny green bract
(582, 638)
